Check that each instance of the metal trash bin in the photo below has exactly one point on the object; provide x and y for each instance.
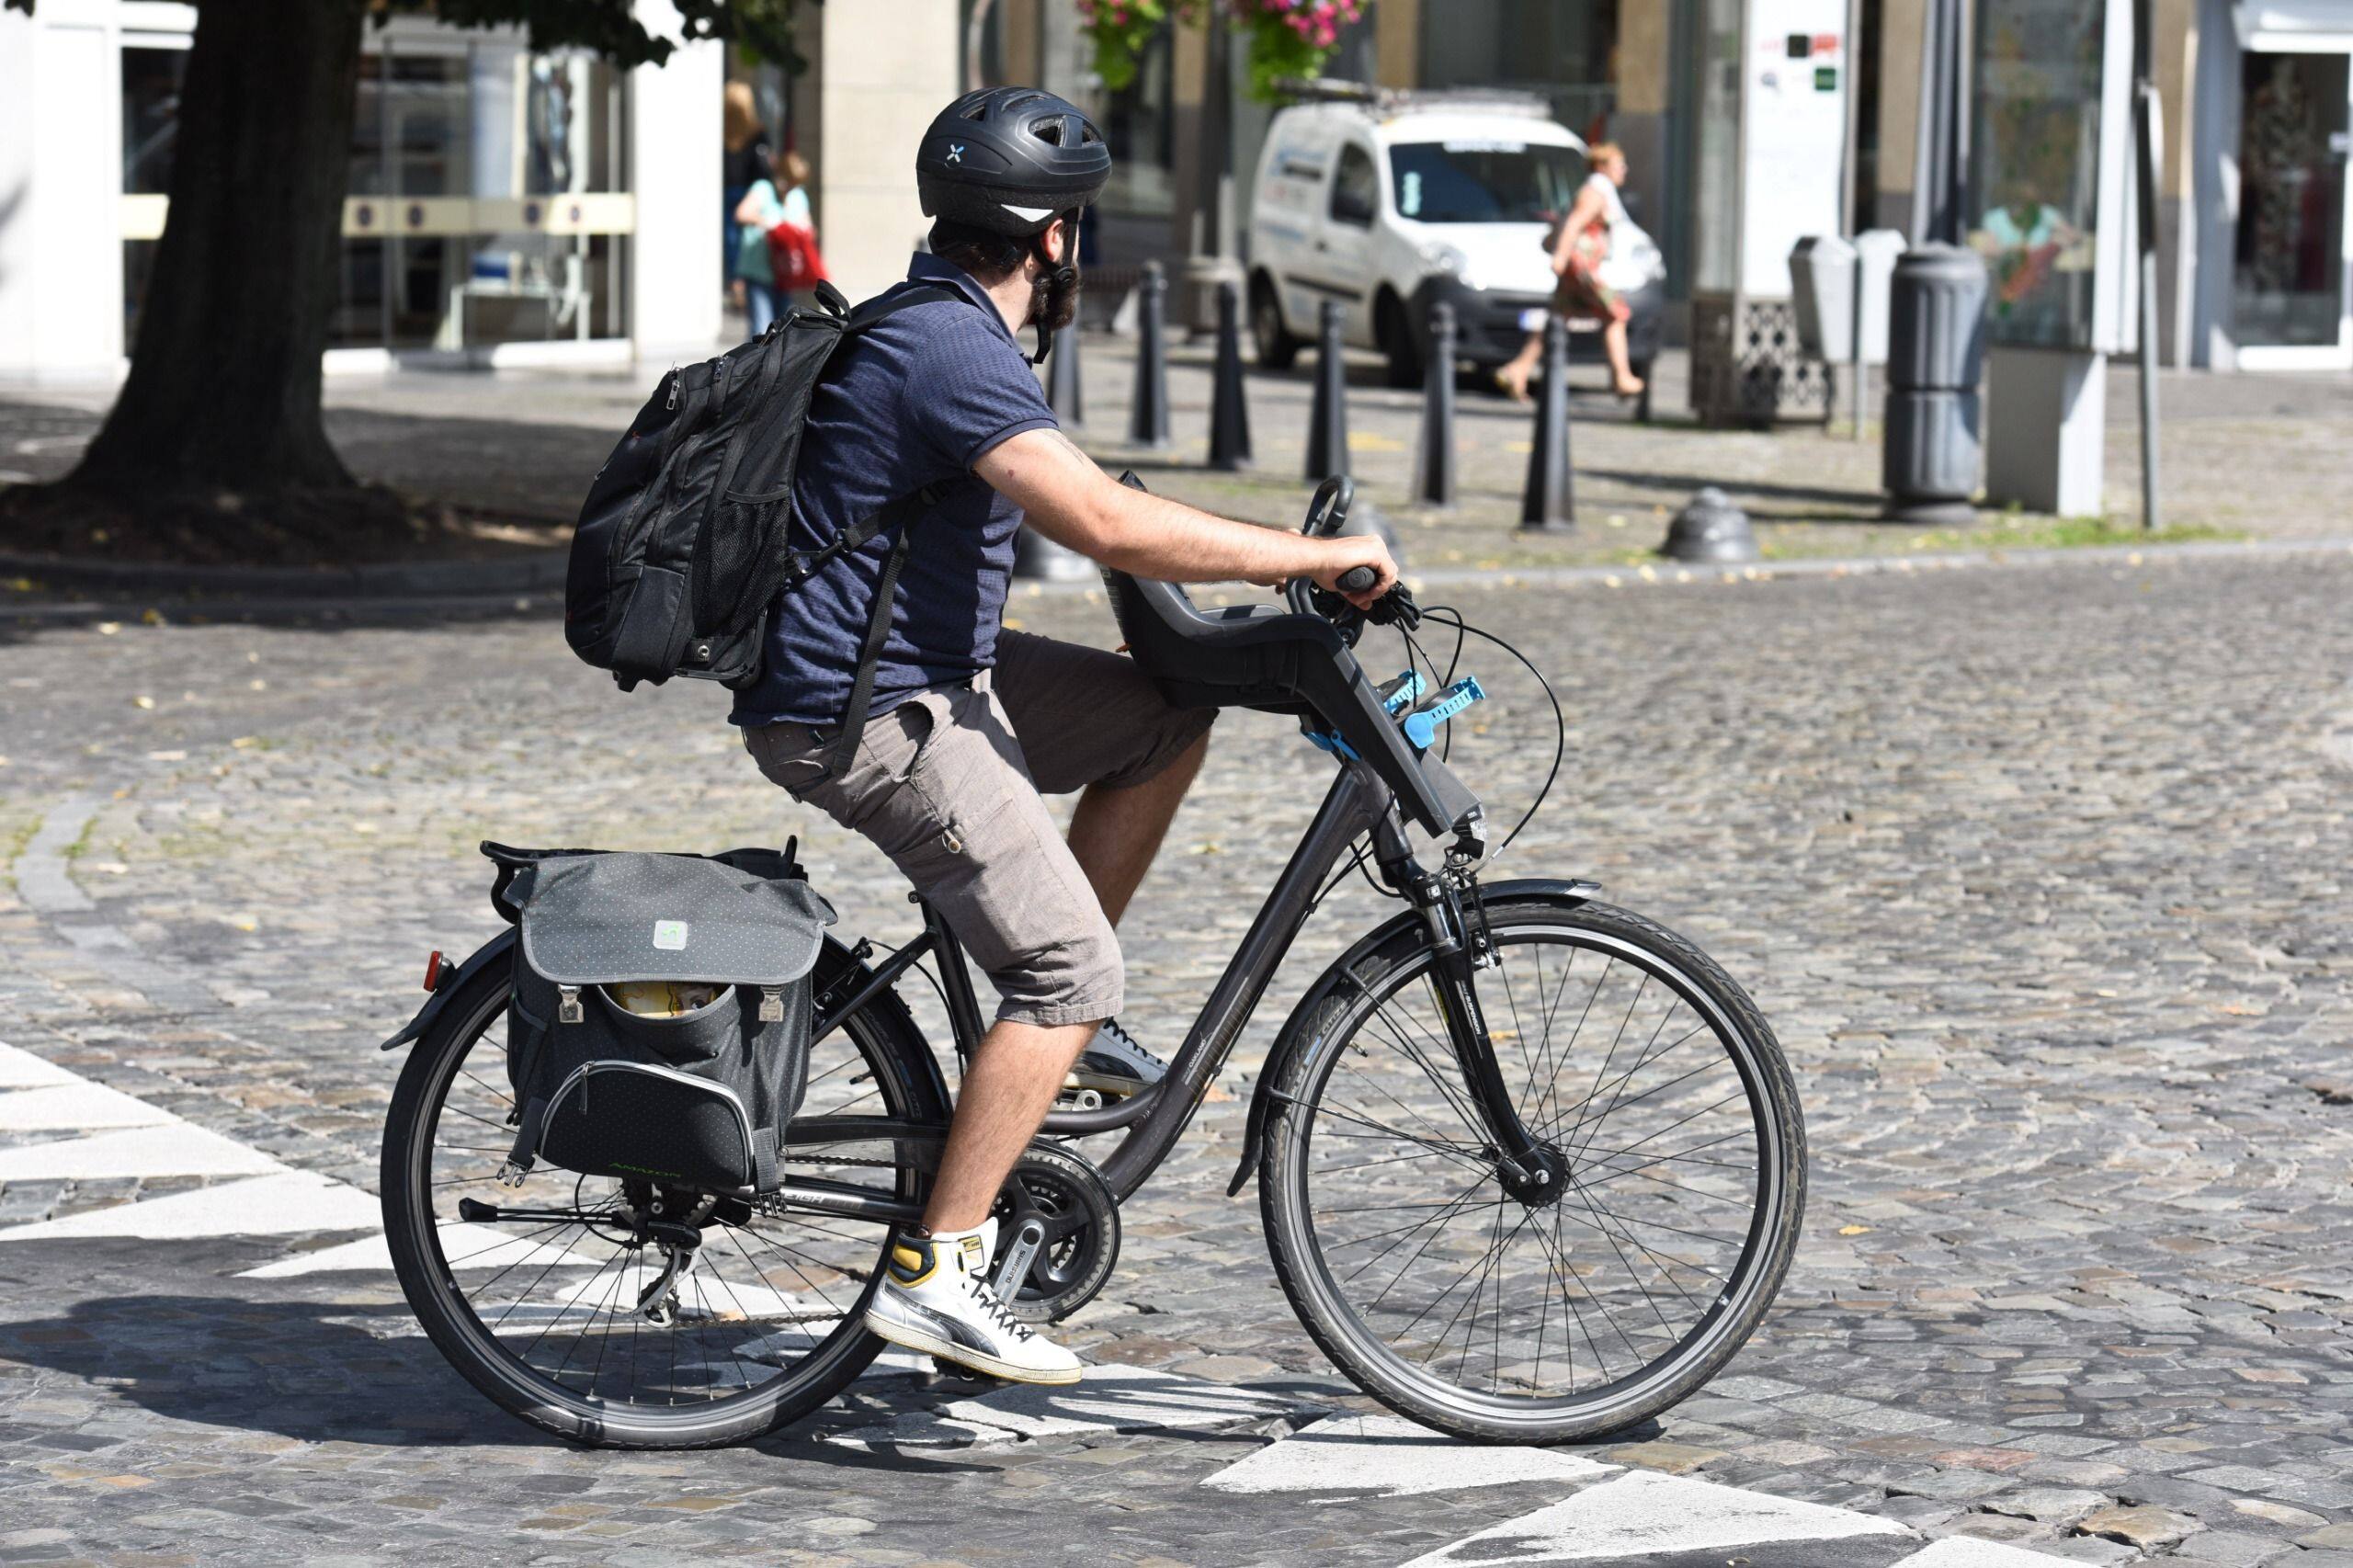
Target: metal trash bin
(1822, 289)
(1932, 457)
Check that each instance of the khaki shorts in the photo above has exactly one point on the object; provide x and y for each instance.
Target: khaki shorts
(947, 785)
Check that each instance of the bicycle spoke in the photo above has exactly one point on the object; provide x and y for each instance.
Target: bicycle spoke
(1465, 1287)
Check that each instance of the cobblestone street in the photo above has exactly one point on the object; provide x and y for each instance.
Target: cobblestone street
(2040, 874)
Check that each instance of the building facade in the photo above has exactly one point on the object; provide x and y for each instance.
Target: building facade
(503, 205)
(506, 206)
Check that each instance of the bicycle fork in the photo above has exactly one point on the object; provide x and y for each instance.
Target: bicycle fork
(1530, 1168)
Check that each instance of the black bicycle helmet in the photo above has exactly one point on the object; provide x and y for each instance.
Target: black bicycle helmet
(1010, 160)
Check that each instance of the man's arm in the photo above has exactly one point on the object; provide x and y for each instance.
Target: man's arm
(1071, 501)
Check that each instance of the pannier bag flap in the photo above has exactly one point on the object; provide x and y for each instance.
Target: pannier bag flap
(597, 919)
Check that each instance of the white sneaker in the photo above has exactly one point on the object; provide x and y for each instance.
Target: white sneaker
(934, 1297)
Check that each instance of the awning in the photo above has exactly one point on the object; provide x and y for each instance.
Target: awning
(2295, 26)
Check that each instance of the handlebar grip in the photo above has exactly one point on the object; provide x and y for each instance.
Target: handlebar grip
(1357, 579)
(1328, 513)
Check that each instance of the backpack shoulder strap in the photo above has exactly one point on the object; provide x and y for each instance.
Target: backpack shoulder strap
(901, 515)
(883, 306)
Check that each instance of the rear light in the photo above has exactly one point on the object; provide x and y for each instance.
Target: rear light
(434, 970)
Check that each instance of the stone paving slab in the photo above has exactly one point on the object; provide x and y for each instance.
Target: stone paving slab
(2039, 874)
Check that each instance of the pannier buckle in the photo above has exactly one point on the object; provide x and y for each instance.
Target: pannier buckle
(771, 1005)
(567, 1005)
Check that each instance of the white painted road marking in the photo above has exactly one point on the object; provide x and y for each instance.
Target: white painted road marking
(1393, 1456)
(22, 1070)
(1110, 1398)
(1644, 1513)
(1964, 1551)
(175, 1148)
(77, 1107)
(264, 1205)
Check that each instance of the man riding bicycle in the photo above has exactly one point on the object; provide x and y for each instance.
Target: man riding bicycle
(968, 723)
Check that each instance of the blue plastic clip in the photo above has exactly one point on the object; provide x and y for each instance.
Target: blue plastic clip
(1421, 728)
(1331, 744)
(1408, 692)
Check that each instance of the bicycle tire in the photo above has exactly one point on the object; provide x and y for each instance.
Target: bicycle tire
(1307, 1059)
(881, 1031)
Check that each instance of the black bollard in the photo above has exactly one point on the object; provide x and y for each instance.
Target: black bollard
(1148, 411)
(1229, 409)
(1037, 558)
(1549, 505)
(1327, 425)
(1434, 472)
(1063, 392)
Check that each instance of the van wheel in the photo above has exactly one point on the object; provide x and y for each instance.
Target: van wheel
(1276, 347)
(1395, 335)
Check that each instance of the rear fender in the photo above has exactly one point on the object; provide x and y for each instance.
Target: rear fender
(1339, 980)
(499, 950)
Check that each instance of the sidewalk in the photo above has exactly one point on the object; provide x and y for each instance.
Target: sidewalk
(2243, 455)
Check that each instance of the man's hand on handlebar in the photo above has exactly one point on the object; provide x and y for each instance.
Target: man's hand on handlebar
(1346, 554)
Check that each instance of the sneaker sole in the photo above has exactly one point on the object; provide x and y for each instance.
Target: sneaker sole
(931, 1344)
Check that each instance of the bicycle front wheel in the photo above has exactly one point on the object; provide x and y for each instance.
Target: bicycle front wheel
(1550, 1316)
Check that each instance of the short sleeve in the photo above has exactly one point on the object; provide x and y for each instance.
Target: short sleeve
(796, 206)
(969, 388)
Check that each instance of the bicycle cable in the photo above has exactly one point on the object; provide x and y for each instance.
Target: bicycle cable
(1447, 614)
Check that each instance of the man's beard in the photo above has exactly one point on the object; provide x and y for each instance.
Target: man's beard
(1054, 298)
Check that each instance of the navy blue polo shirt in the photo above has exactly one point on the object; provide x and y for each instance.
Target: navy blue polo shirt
(914, 400)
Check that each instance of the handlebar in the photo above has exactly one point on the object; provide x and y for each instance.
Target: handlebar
(1327, 513)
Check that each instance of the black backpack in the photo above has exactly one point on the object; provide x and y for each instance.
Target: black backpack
(683, 542)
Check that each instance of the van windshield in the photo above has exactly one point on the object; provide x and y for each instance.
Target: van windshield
(1483, 181)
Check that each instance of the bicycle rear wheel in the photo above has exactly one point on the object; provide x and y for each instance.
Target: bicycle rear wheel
(558, 1306)
(1548, 1317)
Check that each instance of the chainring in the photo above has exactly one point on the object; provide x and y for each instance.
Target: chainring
(1082, 1242)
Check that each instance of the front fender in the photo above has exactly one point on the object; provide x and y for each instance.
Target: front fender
(1292, 1038)
(496, 950)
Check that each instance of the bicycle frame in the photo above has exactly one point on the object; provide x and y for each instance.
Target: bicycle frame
(1358, 803)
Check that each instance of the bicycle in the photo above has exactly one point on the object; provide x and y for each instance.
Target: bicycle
(1497, 1231)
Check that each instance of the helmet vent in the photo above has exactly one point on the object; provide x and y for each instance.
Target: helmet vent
(1048, 131)
(978, 110)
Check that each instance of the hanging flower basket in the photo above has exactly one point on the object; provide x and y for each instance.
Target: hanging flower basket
(1284, 38)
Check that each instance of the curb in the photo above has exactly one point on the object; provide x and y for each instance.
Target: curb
(1664, 571)
(391, 606)
(538, 571)
(282, 611)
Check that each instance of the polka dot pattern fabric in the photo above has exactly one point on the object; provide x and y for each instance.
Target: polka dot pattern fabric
(599, 919)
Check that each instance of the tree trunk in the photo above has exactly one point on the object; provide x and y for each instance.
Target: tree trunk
(223, 389)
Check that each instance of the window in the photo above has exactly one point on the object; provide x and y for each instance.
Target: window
(1356, 189)
(1483, 181)
(485, 194)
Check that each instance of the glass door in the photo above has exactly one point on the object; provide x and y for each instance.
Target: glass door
(2289, 284)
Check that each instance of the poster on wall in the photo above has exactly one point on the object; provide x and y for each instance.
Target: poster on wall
(2035, 169)
(1793, 134)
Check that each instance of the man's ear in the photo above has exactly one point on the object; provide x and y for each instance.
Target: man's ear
(1061, 241)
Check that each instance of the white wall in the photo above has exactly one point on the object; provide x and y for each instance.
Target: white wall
(61, 180)
(675, 283)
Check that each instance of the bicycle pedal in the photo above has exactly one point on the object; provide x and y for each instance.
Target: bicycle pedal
(944, 1368)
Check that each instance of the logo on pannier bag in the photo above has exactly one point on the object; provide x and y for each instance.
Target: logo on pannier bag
(670, 935)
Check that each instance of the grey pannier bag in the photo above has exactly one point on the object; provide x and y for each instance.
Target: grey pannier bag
(696, 1093)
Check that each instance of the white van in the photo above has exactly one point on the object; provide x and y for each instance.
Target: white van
(1389, 203)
